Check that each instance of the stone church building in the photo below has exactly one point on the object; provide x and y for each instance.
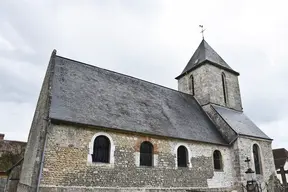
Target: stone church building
(99, 130)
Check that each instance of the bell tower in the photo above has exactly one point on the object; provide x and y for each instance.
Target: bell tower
(210, 79)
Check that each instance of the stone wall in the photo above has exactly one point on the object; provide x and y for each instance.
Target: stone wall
(245, 145)
(67, 165)
(111, 189)
(3, 181)
(36, 140)
(10, 153)
(208, 86)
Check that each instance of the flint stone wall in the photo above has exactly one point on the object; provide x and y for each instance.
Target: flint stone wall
(66, 163)
(245, 146)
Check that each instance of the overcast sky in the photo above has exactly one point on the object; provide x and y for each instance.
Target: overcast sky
(149, 39)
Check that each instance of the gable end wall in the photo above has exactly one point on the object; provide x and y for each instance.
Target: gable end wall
(35, 145)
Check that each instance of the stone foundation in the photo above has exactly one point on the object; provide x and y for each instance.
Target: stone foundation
(79, 189)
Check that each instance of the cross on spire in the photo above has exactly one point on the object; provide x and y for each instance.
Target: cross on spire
(202, 30)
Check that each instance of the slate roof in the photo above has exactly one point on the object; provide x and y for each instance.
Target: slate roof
(93, 96)
(239, 122)
(205, 54)
(280, 157)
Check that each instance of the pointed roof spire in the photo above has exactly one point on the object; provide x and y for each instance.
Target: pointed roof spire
(205, 54)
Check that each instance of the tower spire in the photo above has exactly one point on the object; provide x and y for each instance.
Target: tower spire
(202, 30)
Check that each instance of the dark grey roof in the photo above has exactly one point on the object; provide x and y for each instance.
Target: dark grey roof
(205, 53)
(239, 122)
(280, 157)
(90, 95)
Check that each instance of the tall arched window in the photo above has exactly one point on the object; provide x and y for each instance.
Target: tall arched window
(191, 85)
(257, 160)
(217, 158)
(225, 91)
(146, 154)
(182, 156)
(101, 150)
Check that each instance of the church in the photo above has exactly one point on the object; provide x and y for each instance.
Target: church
(99, 130)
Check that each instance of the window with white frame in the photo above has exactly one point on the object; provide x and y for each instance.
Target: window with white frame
(101, 149)
(182, 156)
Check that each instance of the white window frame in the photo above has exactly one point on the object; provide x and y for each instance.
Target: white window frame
(91, 148)
(188, 151)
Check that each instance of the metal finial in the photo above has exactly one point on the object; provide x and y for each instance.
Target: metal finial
(202, 30)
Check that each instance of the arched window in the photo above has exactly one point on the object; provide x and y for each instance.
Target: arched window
(146, 154)
(182, 156)
(217, 158)
(101, 150)
(191, 85)
(257, 160)
(225, 91)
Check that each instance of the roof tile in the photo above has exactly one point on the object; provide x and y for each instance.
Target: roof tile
(90, 95)
(205, 53)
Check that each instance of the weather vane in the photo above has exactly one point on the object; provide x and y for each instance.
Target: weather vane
(202, 30)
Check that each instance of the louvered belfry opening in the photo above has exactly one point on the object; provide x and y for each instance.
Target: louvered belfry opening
(101, 150)
(217, 158)
(146, 154)
(182, 156)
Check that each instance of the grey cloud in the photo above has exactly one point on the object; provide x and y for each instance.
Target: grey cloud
(143, 39)
(13, 88)
(261, 84)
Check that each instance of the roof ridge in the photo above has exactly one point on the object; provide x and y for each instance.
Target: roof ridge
(129, 76)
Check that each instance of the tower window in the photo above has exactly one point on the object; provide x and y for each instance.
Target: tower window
(217, 158)
(182, 156)
(191, 85)
(225, 91)
(146, 154)
(257, 161)
(101, 150)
